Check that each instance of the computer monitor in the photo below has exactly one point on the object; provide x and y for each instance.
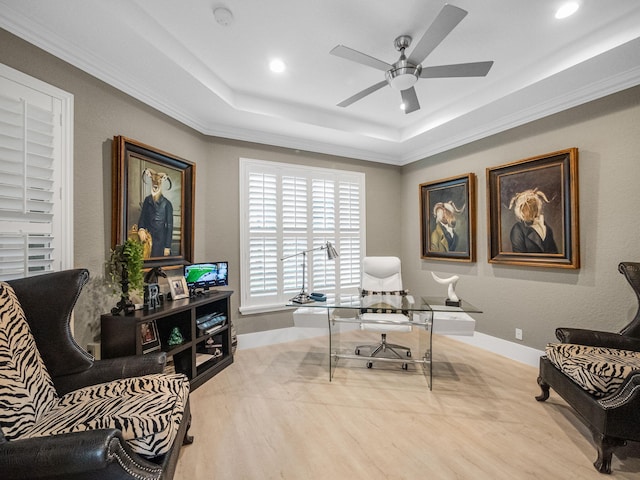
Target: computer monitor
(207, 275)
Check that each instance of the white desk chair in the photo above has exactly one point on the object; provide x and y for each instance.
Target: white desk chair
(382, 293)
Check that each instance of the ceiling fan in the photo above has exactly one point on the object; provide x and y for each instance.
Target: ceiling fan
(403, 74)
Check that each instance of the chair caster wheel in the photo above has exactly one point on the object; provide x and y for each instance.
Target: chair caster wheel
(369, 364)
(405, 366)
(357, 352)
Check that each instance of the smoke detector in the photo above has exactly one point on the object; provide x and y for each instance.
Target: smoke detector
(223, 16)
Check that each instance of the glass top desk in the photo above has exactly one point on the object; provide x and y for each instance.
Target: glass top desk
(343, 314)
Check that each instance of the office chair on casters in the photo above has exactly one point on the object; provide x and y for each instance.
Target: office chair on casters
(382, 294)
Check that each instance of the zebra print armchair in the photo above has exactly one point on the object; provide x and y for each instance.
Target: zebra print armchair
(598, 374)
(64, 415)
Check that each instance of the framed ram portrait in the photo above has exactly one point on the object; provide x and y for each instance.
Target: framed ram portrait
(153, 195)
(448, 219)
(532, 209)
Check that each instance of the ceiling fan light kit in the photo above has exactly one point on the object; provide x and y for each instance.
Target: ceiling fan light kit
(403, 77)
(404, 74)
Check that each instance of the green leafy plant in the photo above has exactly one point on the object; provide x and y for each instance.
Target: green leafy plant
(124, 268)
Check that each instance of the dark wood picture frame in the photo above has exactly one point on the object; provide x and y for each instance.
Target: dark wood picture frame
(448, 219)
(136, 167)
(149, 337)
(532, 207)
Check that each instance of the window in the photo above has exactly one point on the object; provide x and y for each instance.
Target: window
(287, 209)
(36, 221)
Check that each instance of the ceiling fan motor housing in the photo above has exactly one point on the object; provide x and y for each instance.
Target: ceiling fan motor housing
(403, 75)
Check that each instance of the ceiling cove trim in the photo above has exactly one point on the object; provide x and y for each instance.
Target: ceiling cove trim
(115, 77)
(558, 104)
(295, 143)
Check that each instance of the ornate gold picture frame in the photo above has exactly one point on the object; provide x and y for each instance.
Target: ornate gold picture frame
(532, 209)
(448, 219)
(153, 200)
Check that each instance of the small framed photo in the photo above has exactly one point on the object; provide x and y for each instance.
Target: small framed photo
(178, 287)
(448, 219)
(149, 337)
(533, 211)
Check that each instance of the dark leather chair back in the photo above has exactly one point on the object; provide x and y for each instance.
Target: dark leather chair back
(631, 271)
(47, 301)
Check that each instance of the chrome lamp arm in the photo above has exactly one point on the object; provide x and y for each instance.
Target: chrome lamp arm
(303, 297)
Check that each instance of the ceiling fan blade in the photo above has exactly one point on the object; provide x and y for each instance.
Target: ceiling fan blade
(359, 57)
(410, 100)
(446, 21)
(475, 69)
(362, 94)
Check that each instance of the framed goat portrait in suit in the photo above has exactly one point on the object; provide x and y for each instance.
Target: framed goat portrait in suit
(153, 195)
(447, 219)
(532, 209)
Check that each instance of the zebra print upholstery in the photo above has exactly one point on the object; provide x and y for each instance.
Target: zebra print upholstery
(148, 410)
(26, 389)
(598, 370)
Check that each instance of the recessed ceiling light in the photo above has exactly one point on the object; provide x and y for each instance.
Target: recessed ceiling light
(567, 10)
(277, 66)
(403, 106)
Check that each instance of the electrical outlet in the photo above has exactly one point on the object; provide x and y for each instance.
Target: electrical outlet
(518, 334)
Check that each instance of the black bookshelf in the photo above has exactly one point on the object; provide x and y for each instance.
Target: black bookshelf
(203, 352)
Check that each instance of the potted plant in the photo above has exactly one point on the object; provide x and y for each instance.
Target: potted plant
(124, 269)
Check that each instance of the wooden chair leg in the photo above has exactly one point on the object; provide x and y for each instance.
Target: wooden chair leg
(545, 390)
(188, 439)
(605, 446)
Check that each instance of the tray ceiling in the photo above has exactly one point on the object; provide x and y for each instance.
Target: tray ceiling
(215, 78)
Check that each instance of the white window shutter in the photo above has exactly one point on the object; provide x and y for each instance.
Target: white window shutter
(291, 209)
(350, 245)
(263, 251)
(34, 153)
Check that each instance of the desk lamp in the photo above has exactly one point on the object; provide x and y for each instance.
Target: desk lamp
(303, 297)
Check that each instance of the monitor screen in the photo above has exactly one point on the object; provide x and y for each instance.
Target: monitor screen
(206, 275)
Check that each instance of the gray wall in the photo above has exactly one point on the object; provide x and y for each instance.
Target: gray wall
(536, 300)
(101, 112)
(607, 133)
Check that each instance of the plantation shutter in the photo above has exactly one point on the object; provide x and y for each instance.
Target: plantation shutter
(263, 245)
(31, 148)
(295, 203)
(350, 198)
(323, 213)
(290, 209)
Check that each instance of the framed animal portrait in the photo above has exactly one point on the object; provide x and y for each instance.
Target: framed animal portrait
(447, 217)
(153, 195)
(532, 209)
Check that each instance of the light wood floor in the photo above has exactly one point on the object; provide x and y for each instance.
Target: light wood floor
(274, 414)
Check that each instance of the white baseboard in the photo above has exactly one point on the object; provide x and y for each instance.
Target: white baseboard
(514, 351)
(280, 335)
